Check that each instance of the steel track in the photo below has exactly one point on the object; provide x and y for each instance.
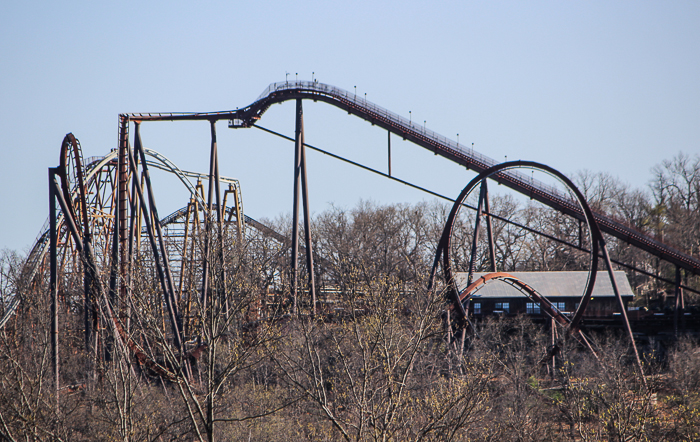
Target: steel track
(439, 144)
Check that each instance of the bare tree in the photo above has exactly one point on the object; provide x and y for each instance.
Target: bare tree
(606, 399)
(378, 373)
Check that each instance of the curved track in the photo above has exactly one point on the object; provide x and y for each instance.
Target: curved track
(440, 145)
(96, 168)
(444, 248)
(532, 294)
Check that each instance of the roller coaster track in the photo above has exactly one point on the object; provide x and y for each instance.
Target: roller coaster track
(94, 164)
(439, 144)
(265, 230)
(154, 160)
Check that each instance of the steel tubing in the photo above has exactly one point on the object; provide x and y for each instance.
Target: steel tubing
(443, 250)
(149, 228)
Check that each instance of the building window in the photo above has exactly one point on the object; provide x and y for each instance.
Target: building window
(561, 306)
(504, 306)
(477, 308)
(533, 308)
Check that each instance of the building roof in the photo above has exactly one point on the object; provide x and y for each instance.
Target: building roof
(550, 285)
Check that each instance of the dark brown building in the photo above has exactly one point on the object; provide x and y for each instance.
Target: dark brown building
(563, 289)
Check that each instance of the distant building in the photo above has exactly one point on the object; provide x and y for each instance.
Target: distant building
(562, 289)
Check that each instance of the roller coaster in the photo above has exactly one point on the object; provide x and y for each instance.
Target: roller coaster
(108, 227)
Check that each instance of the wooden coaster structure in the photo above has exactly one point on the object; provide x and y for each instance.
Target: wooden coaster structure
(105, 237)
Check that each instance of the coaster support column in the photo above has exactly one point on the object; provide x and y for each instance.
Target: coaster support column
(679, 307)
(475, 238)
(300, 178)
(489, 229)
(152, 216)
(307, 217)
(623, 308)
(53, 284)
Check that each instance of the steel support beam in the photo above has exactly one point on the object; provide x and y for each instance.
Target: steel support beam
(67, 218)
(489, 228)
(475, 237)
(163, 270)
(307, 222)
(208, 220)
(219, 214)
(73, 229)
(388, 140)
(239, 215)
(53, 284)
(134, 236)
(679, 304)
(300, 178)
(623, 307)
(295, 208)
(118, 268)
(123, 182)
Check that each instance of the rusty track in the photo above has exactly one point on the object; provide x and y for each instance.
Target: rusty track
(440, 145)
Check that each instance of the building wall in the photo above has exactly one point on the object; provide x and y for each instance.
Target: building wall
(597, 307)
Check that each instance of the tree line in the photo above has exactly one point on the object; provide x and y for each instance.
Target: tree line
(376, 362)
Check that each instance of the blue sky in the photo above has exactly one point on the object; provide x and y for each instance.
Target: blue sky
(604, 86)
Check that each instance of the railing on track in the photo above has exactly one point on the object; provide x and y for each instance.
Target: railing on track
(451, 149)
(407, 124)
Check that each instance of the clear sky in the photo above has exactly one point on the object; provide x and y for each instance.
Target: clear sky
(598, 85)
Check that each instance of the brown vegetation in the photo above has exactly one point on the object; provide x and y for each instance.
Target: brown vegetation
(375, 363)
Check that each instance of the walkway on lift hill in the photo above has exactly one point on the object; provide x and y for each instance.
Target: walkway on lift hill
(439, 144)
